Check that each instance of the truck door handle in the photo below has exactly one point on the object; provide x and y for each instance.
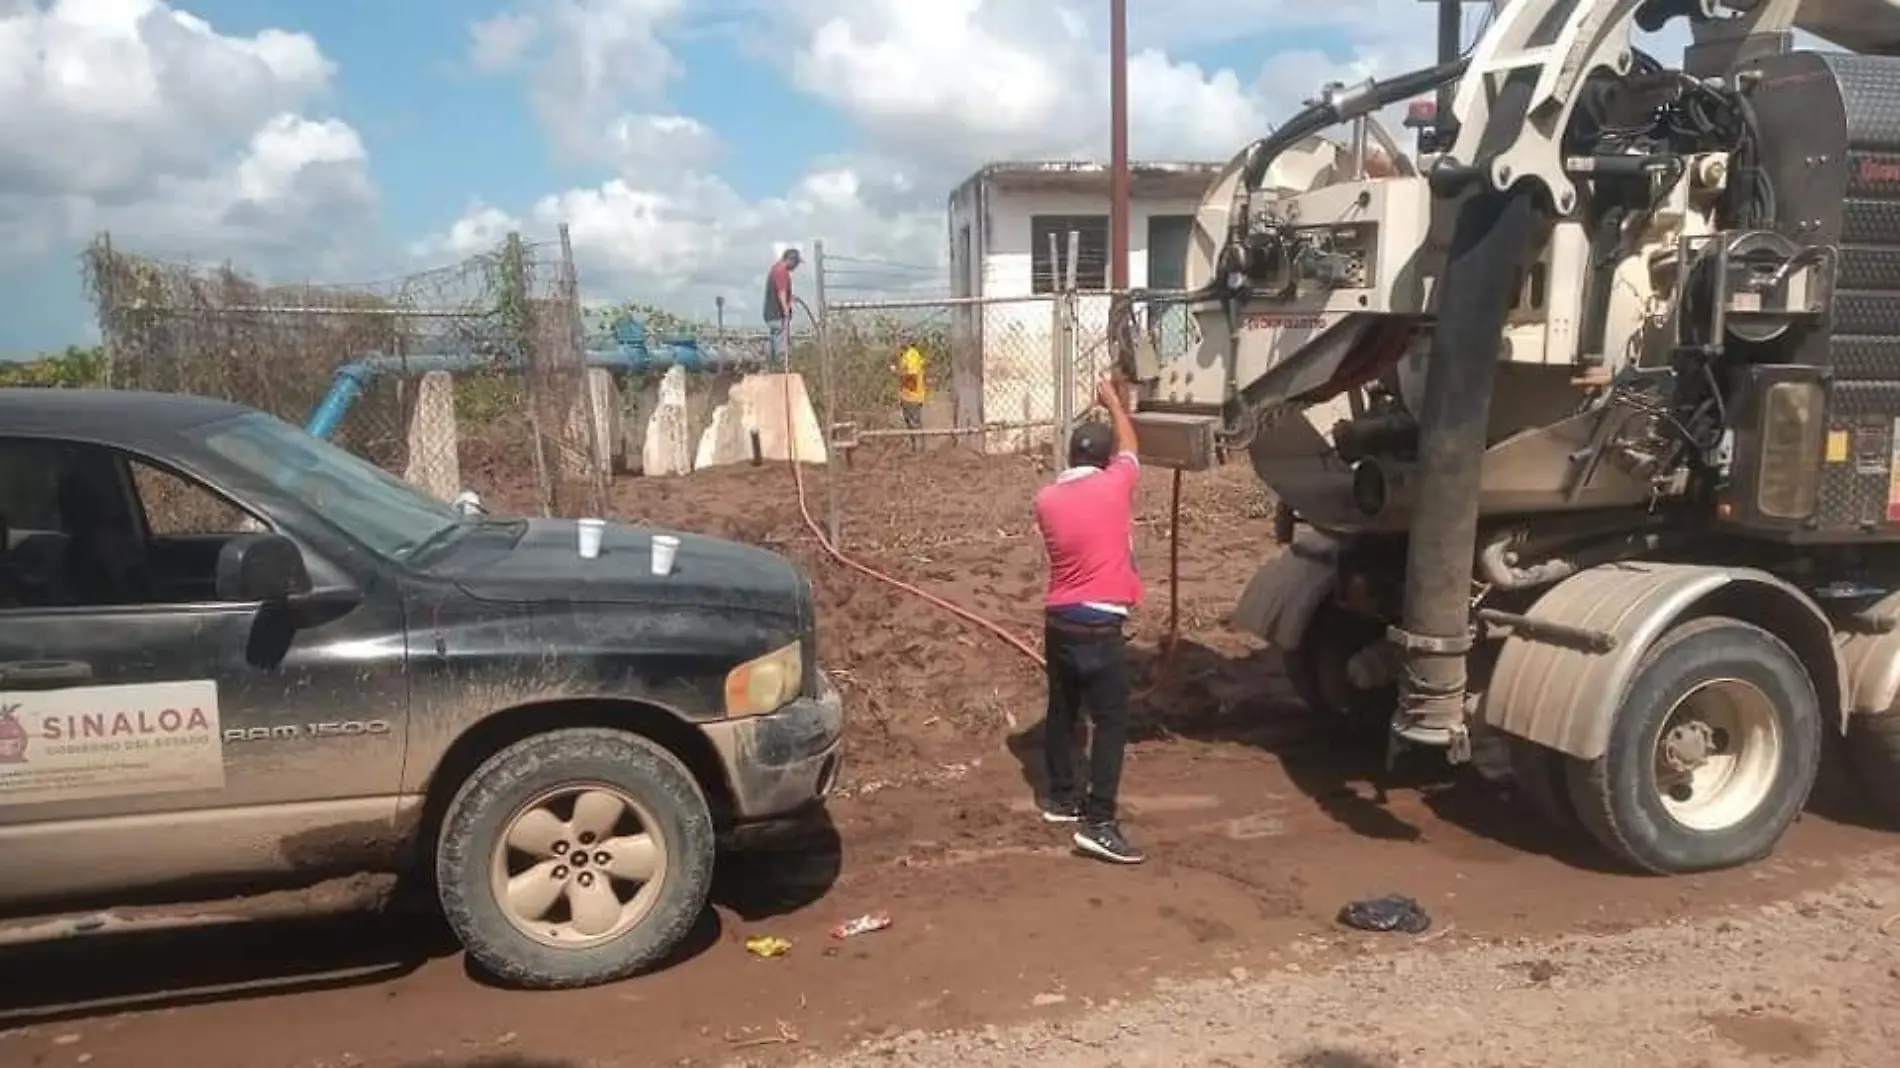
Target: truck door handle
(43, 674)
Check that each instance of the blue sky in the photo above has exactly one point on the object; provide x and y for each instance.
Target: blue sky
(846, 120)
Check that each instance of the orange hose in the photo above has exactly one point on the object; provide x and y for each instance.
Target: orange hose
(804, 511)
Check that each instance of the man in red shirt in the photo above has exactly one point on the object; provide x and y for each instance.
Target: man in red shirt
(778, 311)
(1087, 519)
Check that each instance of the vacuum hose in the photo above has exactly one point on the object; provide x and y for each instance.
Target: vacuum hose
(1343, 107)
(1492, 235)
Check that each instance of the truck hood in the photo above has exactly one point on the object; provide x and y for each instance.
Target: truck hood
(544, 565)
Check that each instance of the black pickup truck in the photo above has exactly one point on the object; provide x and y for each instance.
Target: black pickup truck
(234, 657)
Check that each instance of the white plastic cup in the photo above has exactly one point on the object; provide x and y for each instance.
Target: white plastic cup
(590, 531)
(666, 548)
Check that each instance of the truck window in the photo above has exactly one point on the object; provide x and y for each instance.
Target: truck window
(72, 537)
(175, 506)
(29, 486)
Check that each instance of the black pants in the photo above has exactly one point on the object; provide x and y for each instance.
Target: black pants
(1087, 666)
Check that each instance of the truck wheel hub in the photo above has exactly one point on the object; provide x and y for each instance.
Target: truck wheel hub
(578, 866)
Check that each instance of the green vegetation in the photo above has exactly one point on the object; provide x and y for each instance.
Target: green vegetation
(71, 368)
(660, 323)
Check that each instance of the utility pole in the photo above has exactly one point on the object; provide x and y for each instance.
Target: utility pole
(1118, 190)
(1451, 14)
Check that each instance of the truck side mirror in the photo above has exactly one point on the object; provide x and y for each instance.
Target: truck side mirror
(261, 567)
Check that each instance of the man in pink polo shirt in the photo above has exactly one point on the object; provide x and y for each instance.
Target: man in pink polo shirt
(1087, 519)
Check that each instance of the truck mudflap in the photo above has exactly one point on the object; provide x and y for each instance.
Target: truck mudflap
(1565, 696)
(1870, 655)
(783, 762)
(1283, 594)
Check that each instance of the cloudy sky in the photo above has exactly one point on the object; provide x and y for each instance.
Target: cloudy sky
(682, 140)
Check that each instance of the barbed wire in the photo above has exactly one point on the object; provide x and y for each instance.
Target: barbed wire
(508, 324)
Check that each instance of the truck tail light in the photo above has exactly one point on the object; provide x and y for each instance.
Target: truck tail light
(1792, 435)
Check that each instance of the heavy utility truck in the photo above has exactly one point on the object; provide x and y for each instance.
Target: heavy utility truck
(1588, 408)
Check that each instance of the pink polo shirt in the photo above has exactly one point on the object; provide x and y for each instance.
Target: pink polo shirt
(1087, 519)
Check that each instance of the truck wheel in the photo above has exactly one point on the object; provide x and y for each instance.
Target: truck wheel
(1711, 756)
(1317, 670)
(575, 857)
(1873, 748)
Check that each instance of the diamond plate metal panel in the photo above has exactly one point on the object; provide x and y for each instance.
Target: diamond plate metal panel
(1870, 90)
(1863, 313)
(1870, 222)
(1869, 267)
(1866, 358)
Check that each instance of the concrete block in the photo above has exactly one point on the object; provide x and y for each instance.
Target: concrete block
(434, 465)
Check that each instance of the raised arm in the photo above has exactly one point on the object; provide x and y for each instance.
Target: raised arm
(1110, 394)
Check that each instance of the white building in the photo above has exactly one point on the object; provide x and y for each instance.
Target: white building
(1002, 220)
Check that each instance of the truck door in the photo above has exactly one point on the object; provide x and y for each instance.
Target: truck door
(155, 731)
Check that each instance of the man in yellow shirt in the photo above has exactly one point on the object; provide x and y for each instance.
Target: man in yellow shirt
(911, 392)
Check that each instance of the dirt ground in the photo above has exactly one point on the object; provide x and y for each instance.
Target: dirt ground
(1005, 950)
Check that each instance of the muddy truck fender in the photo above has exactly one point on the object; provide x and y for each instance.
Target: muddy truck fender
(1286, 591)
(1566, 696)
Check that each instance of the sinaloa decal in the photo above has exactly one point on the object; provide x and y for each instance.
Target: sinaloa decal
(109, 741)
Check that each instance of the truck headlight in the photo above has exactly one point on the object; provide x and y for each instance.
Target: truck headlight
(1787, 479)
(766, 684)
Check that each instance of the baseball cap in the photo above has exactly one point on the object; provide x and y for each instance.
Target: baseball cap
(1092, 445)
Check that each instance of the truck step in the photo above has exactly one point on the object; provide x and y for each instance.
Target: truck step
(336, 897)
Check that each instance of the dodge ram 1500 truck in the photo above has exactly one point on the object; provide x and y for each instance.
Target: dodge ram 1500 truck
(235, 658)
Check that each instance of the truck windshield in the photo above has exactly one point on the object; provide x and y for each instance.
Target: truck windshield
(367, 503)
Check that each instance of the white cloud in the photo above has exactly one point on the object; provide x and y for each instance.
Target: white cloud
(934, 89)
(665, 142)
(587, 62)
(498, 44)
(132, 116)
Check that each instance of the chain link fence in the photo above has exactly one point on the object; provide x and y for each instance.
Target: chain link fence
(1003, 375)
(350, 359)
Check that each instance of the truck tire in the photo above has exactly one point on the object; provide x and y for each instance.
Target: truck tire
(1317, 671)
(1873, 750)
(575, 857)
(1734, 703)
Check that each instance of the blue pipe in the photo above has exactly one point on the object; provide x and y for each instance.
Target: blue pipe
(344, 389)
(354, 377)
(631, 355)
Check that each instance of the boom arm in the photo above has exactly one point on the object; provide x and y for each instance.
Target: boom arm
(1555, 45)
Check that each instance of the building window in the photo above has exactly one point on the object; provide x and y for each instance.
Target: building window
(1091, 267)
(1168, 239)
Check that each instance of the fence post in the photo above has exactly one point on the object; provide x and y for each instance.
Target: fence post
(828, 386)
(516, 315)
(599, 454)
(108, 292)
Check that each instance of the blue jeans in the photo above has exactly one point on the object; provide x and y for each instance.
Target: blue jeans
(778, 344)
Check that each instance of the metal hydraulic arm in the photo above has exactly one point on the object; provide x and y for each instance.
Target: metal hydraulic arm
(1512, 140)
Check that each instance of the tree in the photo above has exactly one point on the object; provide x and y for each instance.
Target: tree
(660, 323)
(72, 368)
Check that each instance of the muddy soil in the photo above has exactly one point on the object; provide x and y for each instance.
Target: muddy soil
(1261, 824)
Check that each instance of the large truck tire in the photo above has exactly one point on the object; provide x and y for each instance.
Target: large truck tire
(1873, 751)
(1711, 756)
(1317, 671)
(574, 858)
